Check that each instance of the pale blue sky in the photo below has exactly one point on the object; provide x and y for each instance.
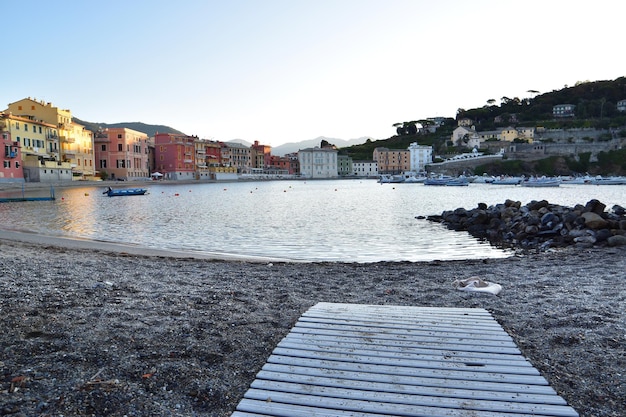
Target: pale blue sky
(281, 71)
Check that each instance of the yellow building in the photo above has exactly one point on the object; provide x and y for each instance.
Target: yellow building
(75, 142)
(35, 137)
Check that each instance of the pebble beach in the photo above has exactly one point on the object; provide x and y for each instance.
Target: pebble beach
(109, 330)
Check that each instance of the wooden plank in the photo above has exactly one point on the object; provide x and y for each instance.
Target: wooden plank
(385, 372)
(445, 388)
(404, 326)
(414, 338)
(366, 361)
(471, 334)
(333, 345)
(401, 397)
(417, 361)
(373, 406)
(381, 343)
(293, 371)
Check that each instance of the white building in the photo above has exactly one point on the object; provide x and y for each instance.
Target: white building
(365, 168)
(420, 156)
(318, 163)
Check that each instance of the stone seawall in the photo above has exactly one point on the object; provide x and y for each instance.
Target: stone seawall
(540, 225)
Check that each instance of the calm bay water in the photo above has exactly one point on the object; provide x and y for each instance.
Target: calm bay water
(335, 220)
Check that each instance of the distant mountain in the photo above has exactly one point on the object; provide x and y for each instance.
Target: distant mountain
(149, 130)
(291, 147)
(239, 141)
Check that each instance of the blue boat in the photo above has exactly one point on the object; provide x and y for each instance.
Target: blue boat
(125, 192)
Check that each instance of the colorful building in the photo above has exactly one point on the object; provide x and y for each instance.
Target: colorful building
(262, 155)
(175, 156)
(75, 143)
(122, 154)
(11, 169)
(392, 161)
(238, 156)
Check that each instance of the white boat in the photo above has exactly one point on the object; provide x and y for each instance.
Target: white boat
(541, 182)
(447, 181)
(577, 180)
(414, 179)
(506, 180)
(390, 179)
(608, 180)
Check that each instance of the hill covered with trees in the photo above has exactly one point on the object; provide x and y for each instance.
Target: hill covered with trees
(148, 129)
(596, 107)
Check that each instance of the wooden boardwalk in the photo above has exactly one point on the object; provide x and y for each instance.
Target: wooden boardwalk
(367, 361)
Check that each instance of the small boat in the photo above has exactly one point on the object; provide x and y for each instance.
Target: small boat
(414, 179)
(390, 179)
(577, 180)
(541, 182)
(506, 180)
(125, 192)
(447, 181)
(599, 180)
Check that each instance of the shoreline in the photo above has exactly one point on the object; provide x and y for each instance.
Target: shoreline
(91, 330)
(129, 249)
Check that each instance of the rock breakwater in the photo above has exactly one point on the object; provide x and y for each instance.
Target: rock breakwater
(539, 224)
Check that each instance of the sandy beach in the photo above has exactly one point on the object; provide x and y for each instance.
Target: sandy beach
(90, 329)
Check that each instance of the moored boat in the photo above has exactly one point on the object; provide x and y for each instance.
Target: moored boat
(541, 182)
(125, 192)
(390, 179)
(599, 180)
(447, 181)
(506, 180)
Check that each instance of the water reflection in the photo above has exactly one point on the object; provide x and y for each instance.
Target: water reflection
(349, 220)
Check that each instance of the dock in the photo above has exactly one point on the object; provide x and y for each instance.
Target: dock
(24, 197)
(372, 361)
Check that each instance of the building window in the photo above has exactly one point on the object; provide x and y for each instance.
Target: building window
(119, 136)
(103, 163)
(120, 147)
(103, 148)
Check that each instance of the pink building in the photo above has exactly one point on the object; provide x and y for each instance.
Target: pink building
(122, 153)
(174, 156)
(11, 155)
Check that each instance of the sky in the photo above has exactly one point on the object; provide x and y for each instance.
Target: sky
(282, 71)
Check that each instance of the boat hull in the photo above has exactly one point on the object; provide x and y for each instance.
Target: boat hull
(126, 192)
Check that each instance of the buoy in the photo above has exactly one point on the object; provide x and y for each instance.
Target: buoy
(176, 194)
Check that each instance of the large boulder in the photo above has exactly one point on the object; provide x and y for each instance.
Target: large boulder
(594, 221)
(617, 240)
